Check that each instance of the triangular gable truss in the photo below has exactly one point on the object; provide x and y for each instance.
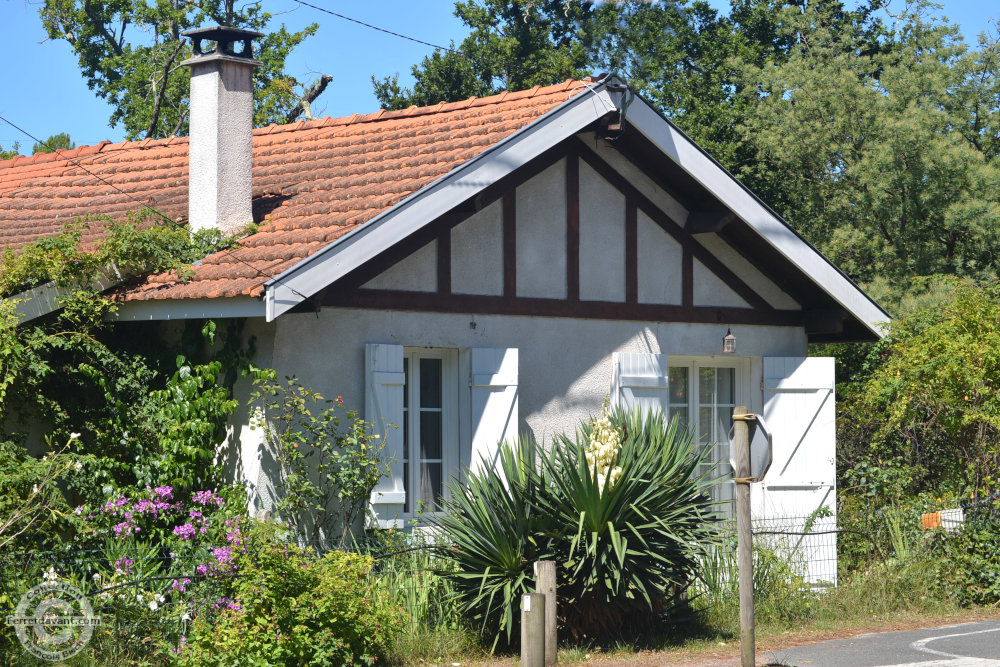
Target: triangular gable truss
(418, 220)
(433, 245)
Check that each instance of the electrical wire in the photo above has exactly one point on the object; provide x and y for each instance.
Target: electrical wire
(147, 206)
(375, 27)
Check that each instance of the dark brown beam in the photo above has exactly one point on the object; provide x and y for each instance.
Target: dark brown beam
(572, 228)
(605, 310)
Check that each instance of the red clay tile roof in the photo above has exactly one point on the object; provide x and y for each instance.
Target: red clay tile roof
(320, 179)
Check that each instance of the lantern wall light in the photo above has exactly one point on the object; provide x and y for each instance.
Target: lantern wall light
(729, 343)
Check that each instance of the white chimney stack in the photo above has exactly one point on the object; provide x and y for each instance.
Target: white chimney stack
(220, 157)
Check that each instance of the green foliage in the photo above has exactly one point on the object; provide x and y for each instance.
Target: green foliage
(874, 117)
(326, 472)
(192, 412)
(288, 607)
(973, 572)
(511, 46)
(626, 544)
(929, 416)
(76, 371)
(33, 511)
(10, 154)
(54, 143)
(130, 52)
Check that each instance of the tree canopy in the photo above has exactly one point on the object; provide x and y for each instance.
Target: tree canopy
(54, 143)
(129, 52)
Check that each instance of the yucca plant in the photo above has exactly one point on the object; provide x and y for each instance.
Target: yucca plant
(626, 526)
(635, 540)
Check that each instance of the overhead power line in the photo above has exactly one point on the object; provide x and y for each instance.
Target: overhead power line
(375, 27)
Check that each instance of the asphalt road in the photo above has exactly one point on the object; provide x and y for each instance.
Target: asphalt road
(964, 645)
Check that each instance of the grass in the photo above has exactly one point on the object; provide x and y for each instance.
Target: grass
(891, 595)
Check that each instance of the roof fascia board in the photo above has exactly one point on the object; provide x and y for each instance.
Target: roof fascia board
(188, 309)
(755, 213)
(352, 250)
(44, 299)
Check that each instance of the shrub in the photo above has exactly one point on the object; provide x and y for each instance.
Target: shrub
(620, 507)
(284, 606)
(973, 573)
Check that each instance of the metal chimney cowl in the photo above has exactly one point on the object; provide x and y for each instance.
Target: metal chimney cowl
(220, 154)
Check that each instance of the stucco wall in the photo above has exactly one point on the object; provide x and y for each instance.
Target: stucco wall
(565, 364)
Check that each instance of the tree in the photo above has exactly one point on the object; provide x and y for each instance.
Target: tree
(511, 46)
(929, 416)
(130, 52)
(858, 147)
(12, 153)
(54, 143)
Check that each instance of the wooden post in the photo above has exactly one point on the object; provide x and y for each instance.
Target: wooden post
(533, 630)
(744, 537)
(545, 583)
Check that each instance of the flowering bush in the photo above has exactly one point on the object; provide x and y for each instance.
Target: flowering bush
(288, 607)
(620, 506)
(162, 516)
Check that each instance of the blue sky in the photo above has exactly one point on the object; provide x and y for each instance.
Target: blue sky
(44, 92)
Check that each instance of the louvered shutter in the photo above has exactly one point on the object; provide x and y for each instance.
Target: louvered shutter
(799, 410)
(640, 379)
(493, 385)
(384, 380)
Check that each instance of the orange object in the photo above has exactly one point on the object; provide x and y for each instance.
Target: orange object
(932, 520)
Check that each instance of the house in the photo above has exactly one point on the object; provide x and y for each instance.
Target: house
(476, 269)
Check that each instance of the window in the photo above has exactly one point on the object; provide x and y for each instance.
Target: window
(702, 396)
(439, 411)
(430, 426)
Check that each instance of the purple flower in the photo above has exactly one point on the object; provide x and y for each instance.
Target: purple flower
(180, 585)
(123, 564)
(164, 492)
(185, 532)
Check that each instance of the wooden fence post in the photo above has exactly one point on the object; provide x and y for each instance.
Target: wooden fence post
(545, 583)
(533, 630)
(744, 536)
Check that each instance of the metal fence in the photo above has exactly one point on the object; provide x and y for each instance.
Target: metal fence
(799, 550)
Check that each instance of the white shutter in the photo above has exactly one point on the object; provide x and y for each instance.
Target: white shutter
(640, 379)
(384, 381)
(800, 412)
(493, 384)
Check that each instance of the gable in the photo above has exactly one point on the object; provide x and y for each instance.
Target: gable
(573, 236)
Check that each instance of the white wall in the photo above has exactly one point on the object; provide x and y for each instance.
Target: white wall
(565, 364)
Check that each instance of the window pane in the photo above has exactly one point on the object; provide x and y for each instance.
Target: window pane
(727, 385)
(430, 383)
(678, 376)
(705, 433)
(706, 386)
(430, 435)
(430, 485)
(682, 416)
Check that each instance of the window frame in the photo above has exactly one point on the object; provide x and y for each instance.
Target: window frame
(451, 460)
(725, 492)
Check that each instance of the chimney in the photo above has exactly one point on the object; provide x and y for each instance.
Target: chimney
(220, 158)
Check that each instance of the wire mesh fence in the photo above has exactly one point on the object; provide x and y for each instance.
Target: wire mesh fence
(799, 551)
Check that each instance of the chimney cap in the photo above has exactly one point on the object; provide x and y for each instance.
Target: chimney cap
(224, 38)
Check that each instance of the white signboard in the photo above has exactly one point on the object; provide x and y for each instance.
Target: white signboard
(760, 447)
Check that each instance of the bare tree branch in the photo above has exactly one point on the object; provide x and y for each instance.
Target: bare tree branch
(304, 107)
(158, 98)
